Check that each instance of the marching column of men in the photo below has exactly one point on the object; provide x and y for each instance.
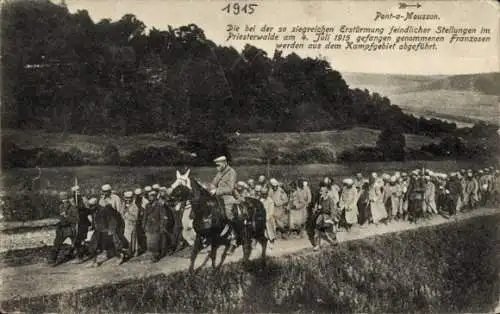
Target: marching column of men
(146, 220)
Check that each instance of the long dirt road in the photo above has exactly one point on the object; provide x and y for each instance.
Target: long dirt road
(41, 279)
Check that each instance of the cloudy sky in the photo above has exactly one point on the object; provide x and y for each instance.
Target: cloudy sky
(458, 58)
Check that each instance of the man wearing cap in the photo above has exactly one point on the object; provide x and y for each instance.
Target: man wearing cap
(429, 197)
(471, 189)
(251, 187)
(81, 203)
(262, 181)
(485, 183)
(141, 202)
(280, 199)
(496, 187)
(130, 214)
(241, 191)
(268, 203)
(376, 199)
(326, 213)
(453, 193)
(348, 203)
(223, 187)
(66, 227)
(394, 194)
(110, 198)
(154, 214)
(358, 182)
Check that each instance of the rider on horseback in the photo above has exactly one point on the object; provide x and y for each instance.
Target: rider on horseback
(223, 186)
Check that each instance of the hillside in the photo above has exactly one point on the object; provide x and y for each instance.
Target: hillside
(244, 147)
(463, 99)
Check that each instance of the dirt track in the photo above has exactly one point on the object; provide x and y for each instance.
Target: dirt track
(41, 279)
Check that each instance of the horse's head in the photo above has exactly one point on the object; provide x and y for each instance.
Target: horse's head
(181, 189)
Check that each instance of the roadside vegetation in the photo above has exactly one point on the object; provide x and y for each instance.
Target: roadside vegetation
(446, 268)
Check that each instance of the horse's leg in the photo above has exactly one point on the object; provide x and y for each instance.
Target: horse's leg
(263, 243)
(194, 252)
(227, 246)
(213, 253)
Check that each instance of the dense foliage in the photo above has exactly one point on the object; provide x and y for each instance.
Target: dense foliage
(68, 73)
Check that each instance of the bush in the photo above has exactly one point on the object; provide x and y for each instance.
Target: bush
(158, 156)
(15, 157)
(111, 155)
(309, 156)
(361, 154)
(26, 207)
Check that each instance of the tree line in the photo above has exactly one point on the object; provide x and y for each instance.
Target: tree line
(66, 73)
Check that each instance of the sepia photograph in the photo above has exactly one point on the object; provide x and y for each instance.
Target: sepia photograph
(282, 156)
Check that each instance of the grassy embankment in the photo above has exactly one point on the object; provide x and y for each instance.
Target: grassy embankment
(448, 268)
(245, 148)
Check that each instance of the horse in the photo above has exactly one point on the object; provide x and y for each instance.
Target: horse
(211, 224)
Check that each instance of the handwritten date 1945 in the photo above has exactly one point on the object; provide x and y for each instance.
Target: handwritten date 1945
(236, 8)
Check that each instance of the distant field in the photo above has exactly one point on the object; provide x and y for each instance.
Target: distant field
(468, 104)
(469, 97)
(246, 146)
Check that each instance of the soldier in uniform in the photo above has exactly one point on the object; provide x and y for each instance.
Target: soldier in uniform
(154, 214)
(327, 217)
(251, 187)
(130, 214)
(66, 227)
(223, 187)
(270, 219)
(117, 225)
(140, 201)
(348, 206)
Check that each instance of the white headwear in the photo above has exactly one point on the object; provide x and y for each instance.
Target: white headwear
(75, 188)
(147, 189)
(128, 194)
(156, 186)
(348, 181)
(138, 191)
(220, 159)
(106, 187)
(93, 201)
(273, 182)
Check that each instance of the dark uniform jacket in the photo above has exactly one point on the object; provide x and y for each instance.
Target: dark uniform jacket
(68, 214)
(155, 217)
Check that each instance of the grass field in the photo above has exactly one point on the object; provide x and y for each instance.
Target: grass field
(446, 268)
(468, 104)
(27, 200)
(245, 147)
(471, 96)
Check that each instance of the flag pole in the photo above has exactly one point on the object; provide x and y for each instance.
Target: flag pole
(76, 191)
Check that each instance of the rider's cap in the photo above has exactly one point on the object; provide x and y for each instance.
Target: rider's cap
(75, 188)
(220, 159)
(156, 186)
(128, 194)
(93, 201)
(147, 189)
(152, 193)
(138, 191)
(106, 187)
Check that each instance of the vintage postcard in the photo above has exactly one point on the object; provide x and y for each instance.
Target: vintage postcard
(250, 156)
